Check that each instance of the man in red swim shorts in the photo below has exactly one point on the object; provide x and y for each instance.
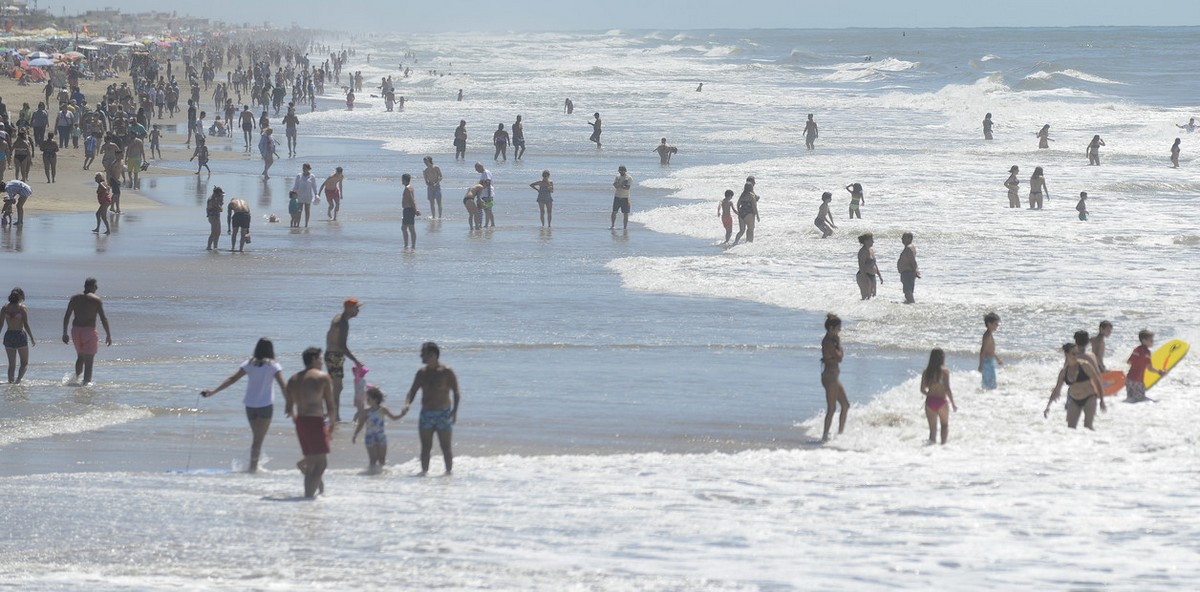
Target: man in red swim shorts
(309, 400)
(86, 306)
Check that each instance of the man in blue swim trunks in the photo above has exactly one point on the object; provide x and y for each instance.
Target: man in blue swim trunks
(438, 411)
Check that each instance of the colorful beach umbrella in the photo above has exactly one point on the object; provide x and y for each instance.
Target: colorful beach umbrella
(73, 55)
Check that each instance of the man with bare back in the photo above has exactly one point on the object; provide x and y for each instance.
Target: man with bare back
(86, 306)
(336, 352)
(438, 411)
(309, 396)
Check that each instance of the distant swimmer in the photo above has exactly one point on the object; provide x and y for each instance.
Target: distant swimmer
(1037, 189)
(856, 200)
(568, 106)
(460, 140)
(595, 129)
(988, 360)
(86, 307)
(350, 100)
(1139, 361)
(1175, 154)
(907, 266)
(440, 397)
(725, 213)
(831, 370)
(868, 269)
(747, 209)
(935, 385)
(810, 133)
(1098, 343)
(621, 184)
(459, 94)
(1081, 207)
(1083, 388)
(309, 401)
(700, 87)
(1190, 126)
(1093, 150)
(1013, 184)
(665, 151)
(1043, 137)
(824, 221)
(987, 126)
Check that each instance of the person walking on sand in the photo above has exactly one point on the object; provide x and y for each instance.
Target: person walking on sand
(260, 393)
(305, 186)
(868, 269)
(665, 151)
(935, 385)
(336, 351)
(622, 184)
(824, 221)
(725, 213)
(1083, 388)
(988, 360)
(545, 198)
(332, 188)
(1013, 185)
(266, 149)
(460, 140)
(831, 364)
(856, 200)
(104, 198)
(1037, 189)
(439, 412)
(86, 307)
(1093, 150)
(309, 400)
(907, 266)
(18, 337)
(1175, 154)
(810, 133)
(213, 209)
(747, 209)
(433, 187)
(408, 204)
(987, 126)
(1043, 136)
(595, 129)
(374, 418)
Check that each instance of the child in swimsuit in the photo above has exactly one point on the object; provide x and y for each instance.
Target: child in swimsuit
(935, 385)
(372, 418)
(725, 212)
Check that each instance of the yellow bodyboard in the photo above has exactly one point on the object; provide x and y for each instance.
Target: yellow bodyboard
(1166, 357)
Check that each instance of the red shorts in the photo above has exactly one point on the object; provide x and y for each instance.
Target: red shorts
(87, 340)
(313, 435)
(727, 221)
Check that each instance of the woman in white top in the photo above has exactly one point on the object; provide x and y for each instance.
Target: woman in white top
(260, 393)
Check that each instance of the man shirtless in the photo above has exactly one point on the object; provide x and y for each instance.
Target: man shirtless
(246, 119)
(332, 188)
(1106, 328)
(433, 187)
(86, 306)
(438, 411)
(290, 121)
(665, 151)
(408, 204)
(309, 396)
(135, 153)
(336, 351)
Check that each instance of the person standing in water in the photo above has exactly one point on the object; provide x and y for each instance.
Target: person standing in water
(747, 209)
(1098, 344)
(433, 187)
(935, 385)
(595, 129)
(1139, 361)
(18, 337)
(500, 140)
(86, 307)
(907, 266)
(987, 351)
(332, 188)
(336, 352)
(987, 126)
(439, 412)
(374, 419)
(545, 198)
(1081, 207)
(810, 133)
(460, 140)
(1013, 184)
(1190, 126)
(665, 151)
(518, 139)
(1043, 136)
(831, 363)
(260, 393)
(1175, 154)
(568, 106)
(408, 204)
(824, 221)
(868, 270)
(309, 397)
(1037, 189)
(856, 200)
(622, 184)
(725, 213)
(1093, 150)
(1083, 388)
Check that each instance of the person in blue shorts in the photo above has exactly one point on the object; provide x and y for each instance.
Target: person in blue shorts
(439, 411)
(987, 351)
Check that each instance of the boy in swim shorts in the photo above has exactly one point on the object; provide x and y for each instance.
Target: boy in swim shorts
(725, 212)
(987, 351)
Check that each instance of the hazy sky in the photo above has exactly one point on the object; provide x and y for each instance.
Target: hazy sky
(569, 15)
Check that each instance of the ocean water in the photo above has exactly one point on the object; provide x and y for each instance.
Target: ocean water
(641, 410)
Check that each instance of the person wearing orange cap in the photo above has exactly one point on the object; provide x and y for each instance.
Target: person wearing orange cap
(336, 351)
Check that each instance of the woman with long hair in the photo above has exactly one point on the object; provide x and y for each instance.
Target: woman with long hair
(831, 362)
(260, 393)
(16, 318)
(1083, 388)
(935, 385)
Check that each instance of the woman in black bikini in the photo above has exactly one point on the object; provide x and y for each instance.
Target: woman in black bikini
(22, 156)
(1083, 389)
(935, 385)
(16, 317)
(831, 369)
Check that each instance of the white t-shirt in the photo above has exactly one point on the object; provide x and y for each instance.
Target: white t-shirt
(488, 190)
(260, 391)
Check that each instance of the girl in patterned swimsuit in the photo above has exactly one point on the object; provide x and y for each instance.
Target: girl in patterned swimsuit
(372, 418)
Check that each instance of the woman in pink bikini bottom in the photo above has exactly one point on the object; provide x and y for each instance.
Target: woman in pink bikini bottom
(935, 385)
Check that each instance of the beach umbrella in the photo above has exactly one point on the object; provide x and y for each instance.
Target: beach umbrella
(39, 55)
(24, 50)
(41, 62)
(73, 55)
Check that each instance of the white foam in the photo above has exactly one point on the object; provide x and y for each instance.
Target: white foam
(17, 430)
